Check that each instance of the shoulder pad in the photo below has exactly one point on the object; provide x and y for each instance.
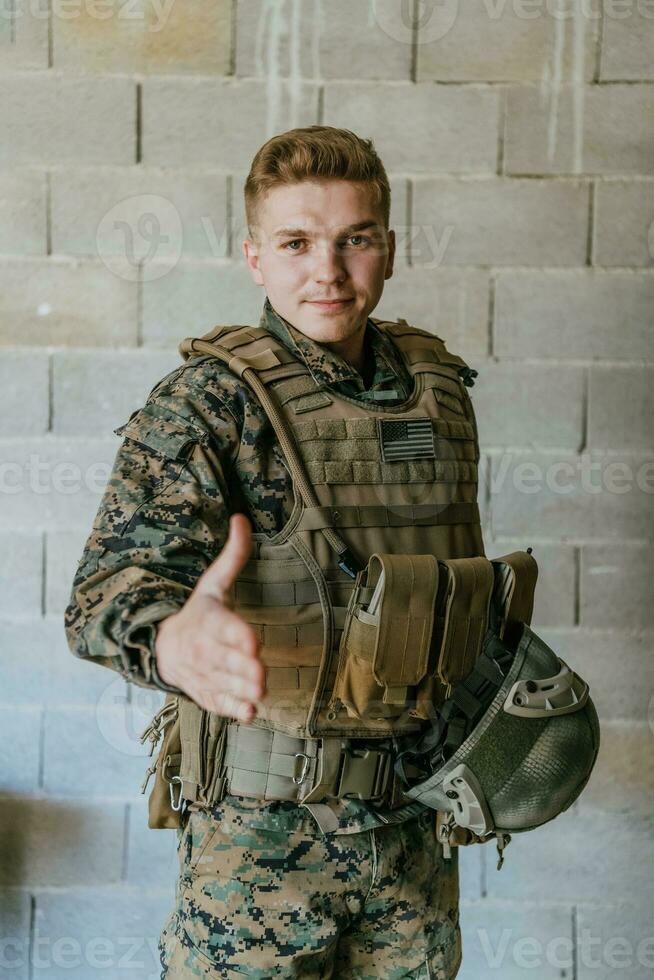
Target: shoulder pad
(401, 328)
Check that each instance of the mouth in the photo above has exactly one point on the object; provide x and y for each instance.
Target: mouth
(331, 304)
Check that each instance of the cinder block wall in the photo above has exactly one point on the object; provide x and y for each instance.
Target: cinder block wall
(519, 143)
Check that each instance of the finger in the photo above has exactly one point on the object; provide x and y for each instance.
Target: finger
(232, 631)
(227, 704)
(218, 683)
(219, 577)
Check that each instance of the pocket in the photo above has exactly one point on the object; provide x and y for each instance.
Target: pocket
(384, 648)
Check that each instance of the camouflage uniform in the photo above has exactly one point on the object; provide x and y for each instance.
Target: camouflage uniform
(204, 448)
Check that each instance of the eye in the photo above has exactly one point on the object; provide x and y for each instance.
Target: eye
(364, 238)
(294, 242)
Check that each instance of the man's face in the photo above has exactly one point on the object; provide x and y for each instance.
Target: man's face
(312, 245)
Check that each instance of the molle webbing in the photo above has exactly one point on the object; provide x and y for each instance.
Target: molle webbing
(242, 366)
(378, 515)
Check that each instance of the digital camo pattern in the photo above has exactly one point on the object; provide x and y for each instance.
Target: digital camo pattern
(295, 903)
(201, 448)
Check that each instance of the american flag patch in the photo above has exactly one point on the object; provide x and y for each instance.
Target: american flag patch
(406, 439)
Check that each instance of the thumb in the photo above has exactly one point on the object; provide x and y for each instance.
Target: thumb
(219, 577)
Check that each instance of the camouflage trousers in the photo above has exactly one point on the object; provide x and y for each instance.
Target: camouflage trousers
(300, 903)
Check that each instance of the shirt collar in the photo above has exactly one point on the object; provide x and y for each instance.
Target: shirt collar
(325, 365)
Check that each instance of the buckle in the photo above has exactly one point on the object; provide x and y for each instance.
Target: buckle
(364, 772)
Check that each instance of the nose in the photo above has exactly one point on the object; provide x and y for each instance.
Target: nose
(328, 265)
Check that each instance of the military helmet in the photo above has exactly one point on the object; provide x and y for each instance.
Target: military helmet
(514, 744)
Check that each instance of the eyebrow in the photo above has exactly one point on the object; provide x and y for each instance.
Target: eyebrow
(302, 232)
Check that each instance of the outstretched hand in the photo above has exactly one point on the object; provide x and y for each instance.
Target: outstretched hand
(206, 649)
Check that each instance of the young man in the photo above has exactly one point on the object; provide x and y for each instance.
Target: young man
(289, 862)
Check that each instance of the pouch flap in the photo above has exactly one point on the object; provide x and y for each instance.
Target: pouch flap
(406, 619)
(466, 606)
(161, 431)
(515, 584)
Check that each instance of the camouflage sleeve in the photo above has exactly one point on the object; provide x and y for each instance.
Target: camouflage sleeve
(162, 519)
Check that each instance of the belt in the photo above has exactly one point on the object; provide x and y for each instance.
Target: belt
(271, 765)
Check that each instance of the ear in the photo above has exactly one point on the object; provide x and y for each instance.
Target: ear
(388, 272)
(251, 253)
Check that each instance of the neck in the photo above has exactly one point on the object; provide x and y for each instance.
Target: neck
(351, 349)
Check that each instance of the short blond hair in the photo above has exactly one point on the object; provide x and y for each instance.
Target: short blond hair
(315, 152)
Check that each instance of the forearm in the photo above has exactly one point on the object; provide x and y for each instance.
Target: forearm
(160, 523)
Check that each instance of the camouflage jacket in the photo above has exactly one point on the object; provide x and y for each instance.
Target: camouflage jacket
(200, 449)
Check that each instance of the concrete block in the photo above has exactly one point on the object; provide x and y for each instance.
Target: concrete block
(528, 405)
(51, 118)
(619, 667)
(593, 130)
(451, 302)
(595, 858)
(498, 42)
(67, 303)
(146, 37)
(185, 120)
(420, 128)
(628, 43)
(15, 933)
(53, 843)
(623, 232)
(616, 573)
(554, 601)
(24, 35)
(53, 483)
(98, 933)
(95, 750)
(196, 296)
(169, 214)
(152, 860)
(495, 222)
(615, 942)
(621, 406)
(20, 737)
(38, 667)
(308, 40)
(512, 941)
(563, 496)
(22, 371)
(21, 573)
(107, 386)
(63, 550)
(22, 213)
(470, 868)
(575, 314)
(621, 782)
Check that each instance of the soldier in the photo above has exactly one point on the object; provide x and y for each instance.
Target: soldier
(281, 872)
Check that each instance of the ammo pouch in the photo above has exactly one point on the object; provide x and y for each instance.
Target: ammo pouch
(163, 811)
(384, 653)
(427, 630)
(189, 763)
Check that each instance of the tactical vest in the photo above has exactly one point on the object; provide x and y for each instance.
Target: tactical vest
(380, 492)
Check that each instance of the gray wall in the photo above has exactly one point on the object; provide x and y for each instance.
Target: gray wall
(521, 152)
